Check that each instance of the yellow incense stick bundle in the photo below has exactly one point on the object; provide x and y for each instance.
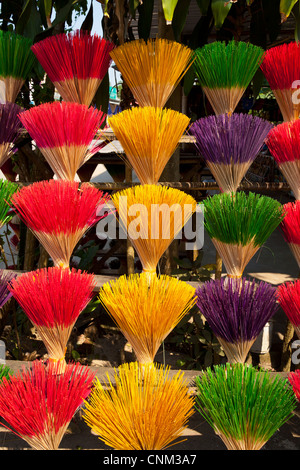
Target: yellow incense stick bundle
(152, 70)
(146, 311)
(149, 137)
(152, 216)
(146, 408)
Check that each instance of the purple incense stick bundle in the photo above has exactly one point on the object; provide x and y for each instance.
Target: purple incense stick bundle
(229, 144)
(236, 311)
(10, 126)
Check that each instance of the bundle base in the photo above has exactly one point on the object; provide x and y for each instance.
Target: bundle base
(65, 161)
(240, 444)
(5, 152)
(49, 440)
(152, 94)
(76, 90)
(229, 177)
(291, 172)
(236, 352)
(224, 100)
(235, 256)
(290, 110)
(12, 88)
(295, 249)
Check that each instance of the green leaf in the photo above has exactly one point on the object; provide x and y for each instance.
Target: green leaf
(286, 7)
(203, 5)
(169, 8)
(145, 19)
(179, 18)
(133, 4)
(24, 17)
(220, 11)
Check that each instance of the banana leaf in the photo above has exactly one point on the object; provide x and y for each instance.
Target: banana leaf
(169, 8)
(286, 7)
(220, 10)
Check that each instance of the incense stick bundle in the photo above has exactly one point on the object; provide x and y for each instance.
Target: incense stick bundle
(294, 379)
(152, 69)
(236, 311)
(152, 216)
(16, 62)
(146, 408)
(239, 224)
(59, 213)
(282, 70)
(10, 126)
(229, 145)
(146, 311)
(76, 63)
(53, 299)
(289, 297)
(149, 136)
(225, 70)
(284, 143)
(5, 278)
(243, 405)
(38, 403)
(64, 133)
(7, 190)
(291, 228)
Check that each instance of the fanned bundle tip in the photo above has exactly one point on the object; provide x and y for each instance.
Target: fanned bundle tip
(281, 67)
(229, 145)
(291, 227)
(243, 405)
(225, 70)
(149, 137)
(284, 144)
(294, 379)
(239, 224)
(53, 299)
(146, 311)
(76, 63)
(236, 311)
(152, 69)
(7, 190)
(146, 408)
(152, 216)
(59, 213)
(16, 61)
(289, 299)
(38, 403)
(64, 133)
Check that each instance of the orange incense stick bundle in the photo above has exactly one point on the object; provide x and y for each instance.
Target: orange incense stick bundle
(64, 133)
(145, 409)
(283, 142)
(38, 403)
(152, 69)
(53, 299)
(59, 213)
(152, 216)
(291, 228)
(281, 67)
(146, 311)
(76, 63)
(149, 137)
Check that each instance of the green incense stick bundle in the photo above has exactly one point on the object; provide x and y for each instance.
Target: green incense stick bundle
(244, 406)
(239, 224)
(225, 70)
(7, 189)
(16, 61)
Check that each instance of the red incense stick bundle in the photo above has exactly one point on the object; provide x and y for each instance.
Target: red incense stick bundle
(38, 404)
(59, 213)
(289, 299)
(294, 379)
(75, 62)
(53, 299)
(281, 67)
(291, 227)
(64, 133)
(283, 142)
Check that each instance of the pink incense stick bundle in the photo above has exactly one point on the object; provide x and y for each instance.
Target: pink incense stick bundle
(76, 63)
(294, 379)
(64, 133)
(53, 299)
(291, 228)
(38, 404)
(284, 144)
(289, 299)
(59, 213)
